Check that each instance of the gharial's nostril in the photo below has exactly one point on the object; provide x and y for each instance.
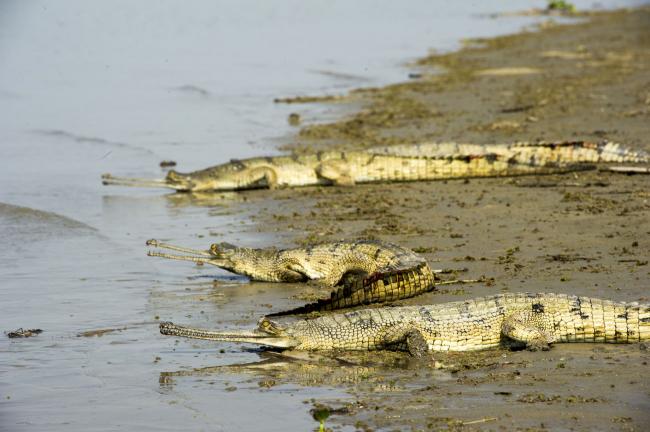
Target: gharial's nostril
(173, 176)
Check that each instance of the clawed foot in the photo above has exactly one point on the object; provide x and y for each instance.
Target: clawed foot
(538, 345)
(417, 345)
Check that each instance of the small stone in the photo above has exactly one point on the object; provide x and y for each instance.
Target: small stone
(294, 119)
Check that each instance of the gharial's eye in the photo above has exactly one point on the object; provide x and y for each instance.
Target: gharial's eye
(236, 165)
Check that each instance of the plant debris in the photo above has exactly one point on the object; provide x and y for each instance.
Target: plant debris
(23, 333)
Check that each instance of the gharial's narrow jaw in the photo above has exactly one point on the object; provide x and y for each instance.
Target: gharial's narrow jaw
(258, 337)
(214, 256)
(174, 180)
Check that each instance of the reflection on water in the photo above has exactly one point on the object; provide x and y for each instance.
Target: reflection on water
(303, 369)
(94, 87)
(198, 199)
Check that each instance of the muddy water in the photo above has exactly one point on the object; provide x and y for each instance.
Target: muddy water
(117, 88)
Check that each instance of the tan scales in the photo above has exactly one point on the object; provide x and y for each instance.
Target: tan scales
(536, 320)
(363, 272)
(431, 161)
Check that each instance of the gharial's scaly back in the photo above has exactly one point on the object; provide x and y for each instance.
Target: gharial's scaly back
(564, 152)
(480, 323)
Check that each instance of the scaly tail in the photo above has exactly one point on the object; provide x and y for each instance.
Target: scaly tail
(537, 154)
(380, 287)
(613, 152)
(569, 152)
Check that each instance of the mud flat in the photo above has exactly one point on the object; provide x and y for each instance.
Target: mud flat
(585, 233)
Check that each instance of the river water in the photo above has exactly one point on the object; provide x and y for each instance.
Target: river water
(94, 87)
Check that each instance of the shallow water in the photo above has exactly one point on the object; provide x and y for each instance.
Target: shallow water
(117, 87)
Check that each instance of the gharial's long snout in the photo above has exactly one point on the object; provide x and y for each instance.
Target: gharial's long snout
(217, 255)
(173, 180)
(260, 337)
(194, 255)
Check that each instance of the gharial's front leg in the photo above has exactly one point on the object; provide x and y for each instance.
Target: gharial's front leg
(530, 327)
(354, 264)
(336, 171)
(416, 344)
(261, 176)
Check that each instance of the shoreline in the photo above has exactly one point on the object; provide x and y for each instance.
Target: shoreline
(420, 109)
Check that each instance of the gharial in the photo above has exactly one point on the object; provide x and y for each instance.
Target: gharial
(363, 272)
(430, 161)
(534, 320)
(373, 271)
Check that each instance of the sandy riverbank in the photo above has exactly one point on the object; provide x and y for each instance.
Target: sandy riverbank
(585, 233)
